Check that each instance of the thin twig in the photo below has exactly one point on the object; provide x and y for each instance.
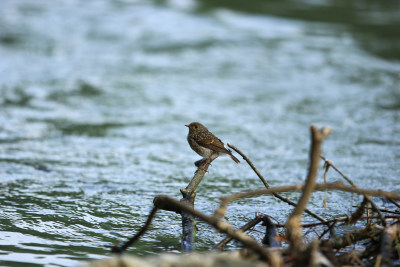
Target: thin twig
(358, 213)
(250, 164)
(121, 249)
(387, 211)
(318, 187)
(330, 226)
(342, 219)
(284, 199)
(326, 166)
(394, 202)
(329, 163)
(244, 228)
(374, 207)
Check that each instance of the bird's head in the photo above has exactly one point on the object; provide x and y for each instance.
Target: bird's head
(196, 126)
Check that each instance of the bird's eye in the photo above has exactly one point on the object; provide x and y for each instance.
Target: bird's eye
(195, 126)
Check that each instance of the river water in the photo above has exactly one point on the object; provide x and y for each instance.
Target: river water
(94, 96)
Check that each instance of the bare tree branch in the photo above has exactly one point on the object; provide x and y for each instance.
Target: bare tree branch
(318, 187)
(284, 199)
(328, 163)
(199, 174)
(293, 224)
(189, 194)
(244, 228)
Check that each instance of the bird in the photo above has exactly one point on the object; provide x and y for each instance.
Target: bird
(205, 143)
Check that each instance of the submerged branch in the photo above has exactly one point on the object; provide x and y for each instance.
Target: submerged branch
(189, 194)
(221, 226)
(270, 234)
(124, 246)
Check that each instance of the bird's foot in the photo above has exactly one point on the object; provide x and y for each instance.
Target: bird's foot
(201, 163)
(201, 169)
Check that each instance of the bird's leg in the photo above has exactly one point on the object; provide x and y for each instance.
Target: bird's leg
(201, 162)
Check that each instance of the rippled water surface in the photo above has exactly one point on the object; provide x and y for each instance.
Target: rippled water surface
(94, 96)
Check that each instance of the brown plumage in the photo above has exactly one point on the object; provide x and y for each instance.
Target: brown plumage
(205, 143)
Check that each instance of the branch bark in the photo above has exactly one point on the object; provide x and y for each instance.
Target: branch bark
(199, 174)
(189, 194)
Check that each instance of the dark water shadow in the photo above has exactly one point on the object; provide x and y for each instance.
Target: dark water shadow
(373, 24)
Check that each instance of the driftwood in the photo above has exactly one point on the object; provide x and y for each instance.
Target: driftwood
(382, 230)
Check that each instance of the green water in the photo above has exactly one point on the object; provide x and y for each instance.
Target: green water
(98, 93)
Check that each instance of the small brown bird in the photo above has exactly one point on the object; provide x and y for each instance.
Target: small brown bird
(205, 143)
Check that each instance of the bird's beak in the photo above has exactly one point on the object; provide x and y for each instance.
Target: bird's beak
(186, 125)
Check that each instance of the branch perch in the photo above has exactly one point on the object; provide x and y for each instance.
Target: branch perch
(189, 194)
(199, 174)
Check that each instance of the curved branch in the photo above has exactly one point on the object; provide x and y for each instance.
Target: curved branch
(328, 163)
(284, 199)
(318, 187)
(124, 246)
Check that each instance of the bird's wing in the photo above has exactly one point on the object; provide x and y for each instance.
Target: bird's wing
(210, 141)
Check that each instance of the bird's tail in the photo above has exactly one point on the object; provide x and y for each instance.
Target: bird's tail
(234, 158)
